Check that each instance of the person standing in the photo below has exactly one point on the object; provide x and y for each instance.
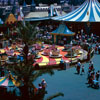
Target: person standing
(99, 49)
(96, 49)
(64, 39)
(43, 84)
(78, 67)
(39, 89)
(97, 75)
(82, 71)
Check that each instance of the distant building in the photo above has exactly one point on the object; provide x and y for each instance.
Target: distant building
(28, 8)
(7, 7)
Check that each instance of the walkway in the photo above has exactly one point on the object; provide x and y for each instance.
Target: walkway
(72, 85)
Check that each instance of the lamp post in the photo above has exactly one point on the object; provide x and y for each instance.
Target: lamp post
(71, 49)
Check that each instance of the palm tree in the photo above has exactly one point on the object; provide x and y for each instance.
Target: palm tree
(26, 75)
(27, 31)
(25, 72)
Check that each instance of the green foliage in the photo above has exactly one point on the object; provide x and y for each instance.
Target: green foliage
(26, 75)
(27, 31)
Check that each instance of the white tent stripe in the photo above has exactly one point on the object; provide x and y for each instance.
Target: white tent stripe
(79, 14)
(97, 18)
(86, 18)
(97, 7)
(89, 11)
(73, 13)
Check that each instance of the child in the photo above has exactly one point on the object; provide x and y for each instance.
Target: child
(82, 71)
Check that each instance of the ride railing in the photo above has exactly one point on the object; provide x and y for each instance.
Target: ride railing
(54, 63)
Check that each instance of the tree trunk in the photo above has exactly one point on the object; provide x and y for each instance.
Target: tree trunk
(25, 92)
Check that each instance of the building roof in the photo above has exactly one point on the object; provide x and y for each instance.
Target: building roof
(11, 19)
(40, 15)
(89, 11)
(63, 30)
(43, 14)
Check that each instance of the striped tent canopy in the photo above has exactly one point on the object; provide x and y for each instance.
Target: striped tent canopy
(1, 22)
(5, 81)
(62, 30)
(11, 19)
(89, 11)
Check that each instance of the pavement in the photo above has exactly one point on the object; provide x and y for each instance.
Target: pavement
(72, 85)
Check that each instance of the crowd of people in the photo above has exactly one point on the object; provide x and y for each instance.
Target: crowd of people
(40, 92)
(92, 75)
(97, 48)
(41, 86)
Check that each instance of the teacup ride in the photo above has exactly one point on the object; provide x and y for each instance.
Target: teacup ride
(36, 54)
(2, 52)
(3, 58)
(37, 57)
(13, 46)
(12, 60)
(78, 50)
(66, 47)
(16, 47)
(41, 44)
(52, 47)
(71, 53)
(10, 52)
(46, 52)
(20, 45)
(55, 54)
(6, 48)
(38, 47)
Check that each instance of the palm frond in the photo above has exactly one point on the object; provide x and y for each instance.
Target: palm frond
(42, 72)
(28, 31)
(55, 95)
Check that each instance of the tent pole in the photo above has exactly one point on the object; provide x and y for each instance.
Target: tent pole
(54, 39)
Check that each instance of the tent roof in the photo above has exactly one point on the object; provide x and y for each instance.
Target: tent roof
(11, 19)
(33, 3)
(24, 3)
(4, 81)
(89, 11)
(63, 30)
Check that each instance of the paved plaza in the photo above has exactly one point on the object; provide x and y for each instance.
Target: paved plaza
(72, 85)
